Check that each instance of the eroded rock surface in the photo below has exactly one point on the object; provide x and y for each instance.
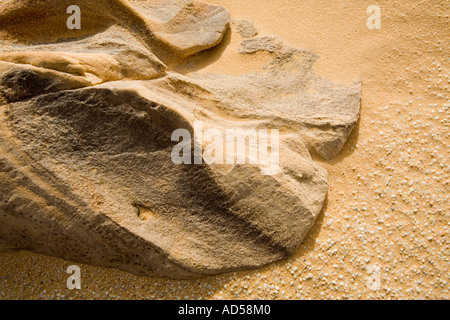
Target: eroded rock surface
(87, 119)
(244, 27)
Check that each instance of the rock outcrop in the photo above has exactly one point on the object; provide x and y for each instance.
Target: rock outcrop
(87, 137)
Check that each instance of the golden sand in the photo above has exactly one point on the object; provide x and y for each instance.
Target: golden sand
(383, 233)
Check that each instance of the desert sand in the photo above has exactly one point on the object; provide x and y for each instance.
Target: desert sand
(383, 232)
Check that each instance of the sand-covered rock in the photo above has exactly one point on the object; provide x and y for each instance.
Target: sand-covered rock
(86, 140)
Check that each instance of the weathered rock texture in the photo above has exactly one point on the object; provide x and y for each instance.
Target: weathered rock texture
(244, 27)
(85, 139)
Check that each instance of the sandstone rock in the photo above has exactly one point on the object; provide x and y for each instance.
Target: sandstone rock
(244, 27)
(170, 29)
(188, 26)
(22, 84)
(101, 188)
(86, 168)
(265, 43)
